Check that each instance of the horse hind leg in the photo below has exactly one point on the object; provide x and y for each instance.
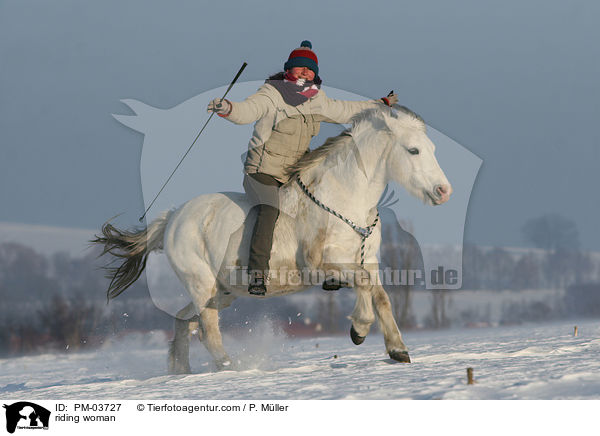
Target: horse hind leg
(212, 339)
(186, 324)
(206, 328)
(208, 298)
(179, 349)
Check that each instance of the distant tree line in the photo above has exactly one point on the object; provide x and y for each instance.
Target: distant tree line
(555, 262)
(59, 302)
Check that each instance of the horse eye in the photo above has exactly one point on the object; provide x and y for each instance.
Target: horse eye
(413, 150)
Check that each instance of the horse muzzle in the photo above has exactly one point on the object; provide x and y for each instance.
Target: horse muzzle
(440, 194)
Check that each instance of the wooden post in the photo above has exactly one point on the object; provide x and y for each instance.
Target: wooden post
(575, 331)
(470, 380)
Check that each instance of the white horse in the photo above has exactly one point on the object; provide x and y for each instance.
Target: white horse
(332, 188)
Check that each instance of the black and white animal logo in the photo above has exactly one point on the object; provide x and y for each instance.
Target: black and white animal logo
(25, 415)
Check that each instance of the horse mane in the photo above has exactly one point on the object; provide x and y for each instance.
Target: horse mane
(415, 116)
(368, 118)
(319, 154)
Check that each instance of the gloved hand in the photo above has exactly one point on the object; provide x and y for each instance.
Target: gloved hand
(222, 108)
(391, 99)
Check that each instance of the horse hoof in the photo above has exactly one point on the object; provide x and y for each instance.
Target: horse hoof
(400, 356)
(176, 366)
(180, 370)
(224, 365)
(356, 338)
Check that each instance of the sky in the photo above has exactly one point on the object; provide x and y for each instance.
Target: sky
(513, 82)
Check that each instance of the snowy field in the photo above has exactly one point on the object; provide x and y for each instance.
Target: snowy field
(535, 361)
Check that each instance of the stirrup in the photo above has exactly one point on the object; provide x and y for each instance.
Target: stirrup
(333, 284)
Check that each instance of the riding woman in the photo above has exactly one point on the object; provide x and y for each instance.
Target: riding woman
(287, 110)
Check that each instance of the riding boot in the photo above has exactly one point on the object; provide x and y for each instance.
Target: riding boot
(257, 285)
(263, 191)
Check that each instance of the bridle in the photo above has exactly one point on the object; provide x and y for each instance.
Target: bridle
(364, 232)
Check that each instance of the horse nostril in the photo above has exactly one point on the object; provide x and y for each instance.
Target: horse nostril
(443, 190)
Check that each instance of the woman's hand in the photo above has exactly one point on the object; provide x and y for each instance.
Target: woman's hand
(391, 99)
(221, 107)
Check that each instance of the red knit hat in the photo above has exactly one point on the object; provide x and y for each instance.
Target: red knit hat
(303, 57)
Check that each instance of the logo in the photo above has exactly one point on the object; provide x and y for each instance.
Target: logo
(421, 245)
(25, 415)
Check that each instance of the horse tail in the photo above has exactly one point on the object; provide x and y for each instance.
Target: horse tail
(133, 248)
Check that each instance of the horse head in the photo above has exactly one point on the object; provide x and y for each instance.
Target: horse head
(410, 159)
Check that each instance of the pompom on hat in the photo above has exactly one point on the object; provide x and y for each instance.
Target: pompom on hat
(303, 57)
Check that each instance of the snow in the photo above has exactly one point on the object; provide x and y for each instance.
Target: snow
(534, 361)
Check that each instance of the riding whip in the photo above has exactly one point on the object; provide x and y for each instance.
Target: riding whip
(197, 136)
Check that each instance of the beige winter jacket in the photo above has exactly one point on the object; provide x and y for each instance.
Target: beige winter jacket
(282, 133)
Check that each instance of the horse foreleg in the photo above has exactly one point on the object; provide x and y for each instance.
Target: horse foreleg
(212, 337)
(391, 333)
(362, 316)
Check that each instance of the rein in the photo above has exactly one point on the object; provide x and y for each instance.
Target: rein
(364, 232)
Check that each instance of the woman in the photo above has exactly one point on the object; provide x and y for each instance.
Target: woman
(287, 110)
